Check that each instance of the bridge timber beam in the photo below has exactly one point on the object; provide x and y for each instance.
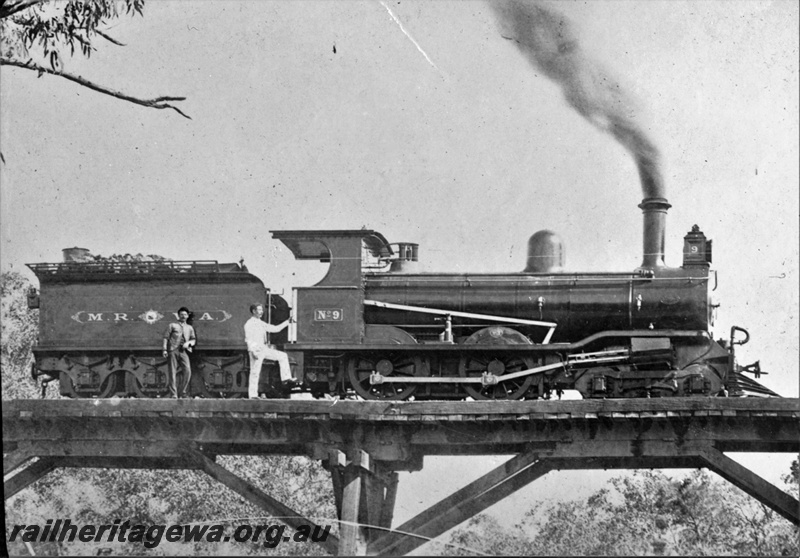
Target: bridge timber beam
(467, 502)
(257, 496)
(184, 458)
(364, 443)
(365, 491)
(766, 493)
(14, 460)
(27, 476)
(484, 492)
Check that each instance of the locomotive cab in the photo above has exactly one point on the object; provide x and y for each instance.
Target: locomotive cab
(331, 310)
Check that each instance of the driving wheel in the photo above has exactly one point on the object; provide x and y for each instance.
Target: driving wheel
(474, 366)
(360, 368)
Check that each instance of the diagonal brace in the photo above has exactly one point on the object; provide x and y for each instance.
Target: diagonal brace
(760, 489)
(465, 503)
(15, 459)
(28, 476)
(256, 496)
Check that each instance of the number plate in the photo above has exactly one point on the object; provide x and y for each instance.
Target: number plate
(328, 315)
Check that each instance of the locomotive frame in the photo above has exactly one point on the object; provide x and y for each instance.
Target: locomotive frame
(382, 348)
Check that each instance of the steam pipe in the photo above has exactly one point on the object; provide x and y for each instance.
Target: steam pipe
(654, 212)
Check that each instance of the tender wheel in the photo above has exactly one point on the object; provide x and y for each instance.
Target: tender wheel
(359, 370)
(135, 388)
(107, 388)
(132, 386)
(204, 370)
(473, 366)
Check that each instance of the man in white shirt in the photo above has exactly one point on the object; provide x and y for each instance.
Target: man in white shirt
(255, 335)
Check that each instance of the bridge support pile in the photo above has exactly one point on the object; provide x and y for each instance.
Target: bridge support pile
(364, 444)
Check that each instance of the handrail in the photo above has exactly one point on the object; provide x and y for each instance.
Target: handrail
(132, 267)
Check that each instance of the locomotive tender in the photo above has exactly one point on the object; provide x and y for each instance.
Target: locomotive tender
(376, 327)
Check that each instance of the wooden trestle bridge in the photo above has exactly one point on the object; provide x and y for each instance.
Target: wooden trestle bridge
(365, 443)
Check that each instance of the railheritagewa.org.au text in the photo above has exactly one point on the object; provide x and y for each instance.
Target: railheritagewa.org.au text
(268, 535)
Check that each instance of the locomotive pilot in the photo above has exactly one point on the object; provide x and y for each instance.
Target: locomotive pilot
(255, 335)
(178, 342)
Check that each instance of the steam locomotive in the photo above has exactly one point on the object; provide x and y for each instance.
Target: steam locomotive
(377, 328)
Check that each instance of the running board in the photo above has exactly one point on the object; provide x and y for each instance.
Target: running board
(489, 379)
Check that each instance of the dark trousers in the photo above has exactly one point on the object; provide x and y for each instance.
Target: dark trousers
(178, 358)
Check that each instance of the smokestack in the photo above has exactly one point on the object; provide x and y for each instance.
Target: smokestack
(654, 211)
(654, 208)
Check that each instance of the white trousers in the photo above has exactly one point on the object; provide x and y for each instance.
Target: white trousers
(257, 359)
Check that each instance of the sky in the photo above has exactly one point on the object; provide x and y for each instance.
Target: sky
(419, 120)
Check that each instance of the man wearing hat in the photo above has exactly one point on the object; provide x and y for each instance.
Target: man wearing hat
(178, 342)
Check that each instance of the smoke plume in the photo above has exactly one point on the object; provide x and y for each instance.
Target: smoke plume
(550, 44)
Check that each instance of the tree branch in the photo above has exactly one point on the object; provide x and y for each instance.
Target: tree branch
(158, 102)
(9, 9)
(109, 39)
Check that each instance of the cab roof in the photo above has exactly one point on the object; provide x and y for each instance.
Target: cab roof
(310, 244)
